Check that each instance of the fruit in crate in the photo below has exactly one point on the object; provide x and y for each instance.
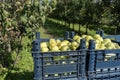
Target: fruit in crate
(105, 41)
(102, 47)
(54, 48)
(76, 37)
(44, 49)
(83, 36)
(110, 45)
(88, 37)
(74, 45)
(64, 48)
(66, 45)
(43, 44)
(58, 41)
(96, 36)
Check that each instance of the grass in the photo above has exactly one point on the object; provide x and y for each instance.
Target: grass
(76, 26)
(44, 33)
(55, 29)
(91, 30)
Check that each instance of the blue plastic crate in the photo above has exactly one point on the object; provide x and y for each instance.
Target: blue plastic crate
(115, 38)
(48, 66)
(104, 64)
(82, 64)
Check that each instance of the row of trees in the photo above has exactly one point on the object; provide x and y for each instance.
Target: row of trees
(89, 12)
(20, 18)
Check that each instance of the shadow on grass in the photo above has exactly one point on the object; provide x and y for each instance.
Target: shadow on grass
(55, 29)
(107, 29)
(20, 76)
(5, 59)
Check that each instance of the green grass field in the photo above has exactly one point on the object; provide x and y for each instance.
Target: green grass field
(91, 30)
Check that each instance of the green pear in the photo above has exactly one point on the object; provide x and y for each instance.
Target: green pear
(44, 49)
(43, 44)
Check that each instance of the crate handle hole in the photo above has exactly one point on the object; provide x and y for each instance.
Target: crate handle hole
(36, 44)
(36, 49)
(82, 63)
(83, 47)
(36, 58)
(37, 66)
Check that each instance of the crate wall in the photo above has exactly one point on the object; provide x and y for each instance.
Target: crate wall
(48, 66)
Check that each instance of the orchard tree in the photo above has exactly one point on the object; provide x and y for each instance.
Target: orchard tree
(116, 15)
(20, 18)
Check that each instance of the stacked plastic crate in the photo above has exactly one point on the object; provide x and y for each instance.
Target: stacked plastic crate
(104, 64)
(46, 67)
(81, 64)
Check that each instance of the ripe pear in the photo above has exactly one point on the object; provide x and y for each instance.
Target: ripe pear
(72, 62)
(52, 45)
(64, 48)
(56, 58)
(117, 46)
(44, 49)
(58, 41)
(66, 41)
(61, 44)
(56, 75)
(74, 43)
(64, 62)
(97, 41)
(52, 41)
(97, 46)
(54, 48)
(87, 44)
(102, 47)
(83, 36)
(74, 48)
(105, 41)
(110, 45)
(63, 57)
(43, 44)
(110, 56)
(88, 37)
(100, 39)
(76, 37)
(96, 36)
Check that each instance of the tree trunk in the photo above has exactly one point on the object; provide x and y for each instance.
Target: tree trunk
(62, 22)
(73, 26)
(79, 29)
(65, 22)
(118, 29)
(69, 24)
(86, 29)
(115, 31)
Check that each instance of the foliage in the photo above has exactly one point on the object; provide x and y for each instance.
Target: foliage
(17, 19)
(88, 12)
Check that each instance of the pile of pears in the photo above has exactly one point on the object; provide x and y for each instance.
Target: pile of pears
(58, 45)
(55, 45)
